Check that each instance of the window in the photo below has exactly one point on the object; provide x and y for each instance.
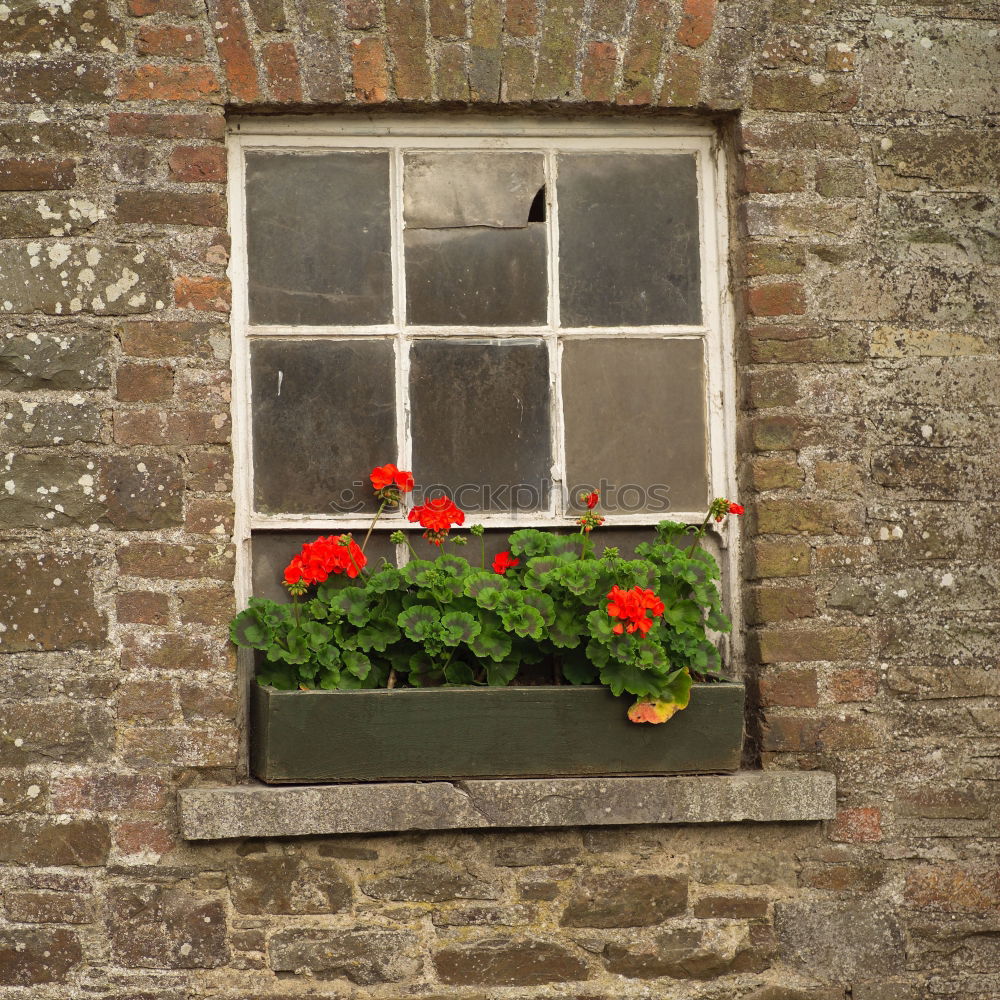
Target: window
(516, 310)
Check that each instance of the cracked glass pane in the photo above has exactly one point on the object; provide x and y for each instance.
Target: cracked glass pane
(324, 415)
(318, 238)
(628, 239)
(634, 414)
(475, 238)
(480, 422)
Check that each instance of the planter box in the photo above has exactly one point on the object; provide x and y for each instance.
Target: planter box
(300, 737)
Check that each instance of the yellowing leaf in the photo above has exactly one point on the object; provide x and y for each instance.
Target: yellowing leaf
(652, 711)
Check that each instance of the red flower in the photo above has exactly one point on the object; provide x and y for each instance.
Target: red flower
(503, 562)
(332, 554)
(591, 499)
(383, 476)
(631, 606)
(720, 507)
(437, 516)
(735, 508)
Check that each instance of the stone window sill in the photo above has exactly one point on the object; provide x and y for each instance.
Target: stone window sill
(256, 810)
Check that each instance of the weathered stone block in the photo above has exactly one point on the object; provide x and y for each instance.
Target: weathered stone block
(57, 611)
(60, 358)
(165, 927)
(142, 492)
(62, 278)
(609, 900)
(30, 423)
(364, 955)
(847, 939)
(32, 733)
(509, 962)
(283, 884)
(430, 884)
(47, 214)
(35, 841)
(31, 957)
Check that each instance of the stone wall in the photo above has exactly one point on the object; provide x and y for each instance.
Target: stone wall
(866, 161)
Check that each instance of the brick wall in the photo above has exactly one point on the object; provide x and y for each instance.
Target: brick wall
(867, 165)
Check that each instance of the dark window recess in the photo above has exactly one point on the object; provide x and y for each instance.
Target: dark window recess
(480, 422)
(318, 238)
(635, 419)
(324, 415)
(475, 248)
(628, 240)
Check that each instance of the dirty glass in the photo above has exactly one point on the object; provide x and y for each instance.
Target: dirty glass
(318, 238)
(324, 415)
(480, 422)
(628, 239)
(475, 238)
(634, 414)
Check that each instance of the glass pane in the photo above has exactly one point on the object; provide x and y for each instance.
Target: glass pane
(480, 422)
(635, 423)
(318, 238)
(324, 415)
(475, 238)
(628, 240)
(271, 552)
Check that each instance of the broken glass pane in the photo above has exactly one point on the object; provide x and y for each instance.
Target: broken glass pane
(635, 423)
(480, 422)
(324, 416)
(475, 238)
(628, 239)
(318, 238)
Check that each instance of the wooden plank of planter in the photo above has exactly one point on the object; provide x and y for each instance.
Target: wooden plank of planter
(301, 737)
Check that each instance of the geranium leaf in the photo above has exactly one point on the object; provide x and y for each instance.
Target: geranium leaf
(418, 622)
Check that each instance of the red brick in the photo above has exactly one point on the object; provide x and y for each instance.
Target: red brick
(371, 72)
(361, 14)
(831, 642)
(206, 516)
(954, 888)
(696, 22)
(145, 701)
(166, 126)
(783, 299)
(209, 471)
(237, 55)
(155, 560)
(599, 65)
(681, 81)
(142, 607)
(775, 473)
(798, 92)
(853, 685)
(198, 164)
(36, 175)
(167, 83)
(642, 52)
(450, 74)
(144, 836)
(521, 18)
(156, 427)
(447, 18)
(808, 517)
(200, 702)
(789, 688)
(765, 259)
(171, 208)
(779, 559)
(110, 792)
(796, 734)
(206, 294)
(144, 383)
(407, 36)
(781, 603)
(857, 826)
(171, 41)
(207, 605)
(281, 66)
(166, 339)
(176, 8)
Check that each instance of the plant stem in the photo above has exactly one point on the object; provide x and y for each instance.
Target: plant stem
(391, 682)
(482, 543)
(371, 527)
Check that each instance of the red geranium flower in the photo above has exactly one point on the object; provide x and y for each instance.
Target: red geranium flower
(383, 476)
(720, 507)
(332, 554)
(631, 606)
(591, 499)
(735, 508)
(503, 562)
(438, 515)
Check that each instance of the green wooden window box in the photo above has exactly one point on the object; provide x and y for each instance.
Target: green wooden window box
(300, 737)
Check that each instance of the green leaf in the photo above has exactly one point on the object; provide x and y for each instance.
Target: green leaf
(543, 604)
(528, 542)
(491, 644)
(418, 622)
(565, 631)
(249, 630)
(453, 565)
(485, 589)
(317, 634)
(599, 625)
(386, 579)
(353, 602)
(524, 621)
(459, 673)
(378, 634)
(357, 663)
(579, 670)
(459, 626)
(419, 572)
(329, 680)
(580, 577)
(502, 673)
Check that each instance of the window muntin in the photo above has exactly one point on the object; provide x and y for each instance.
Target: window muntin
(485, 184)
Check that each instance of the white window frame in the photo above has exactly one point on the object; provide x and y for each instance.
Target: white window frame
(396, 134)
